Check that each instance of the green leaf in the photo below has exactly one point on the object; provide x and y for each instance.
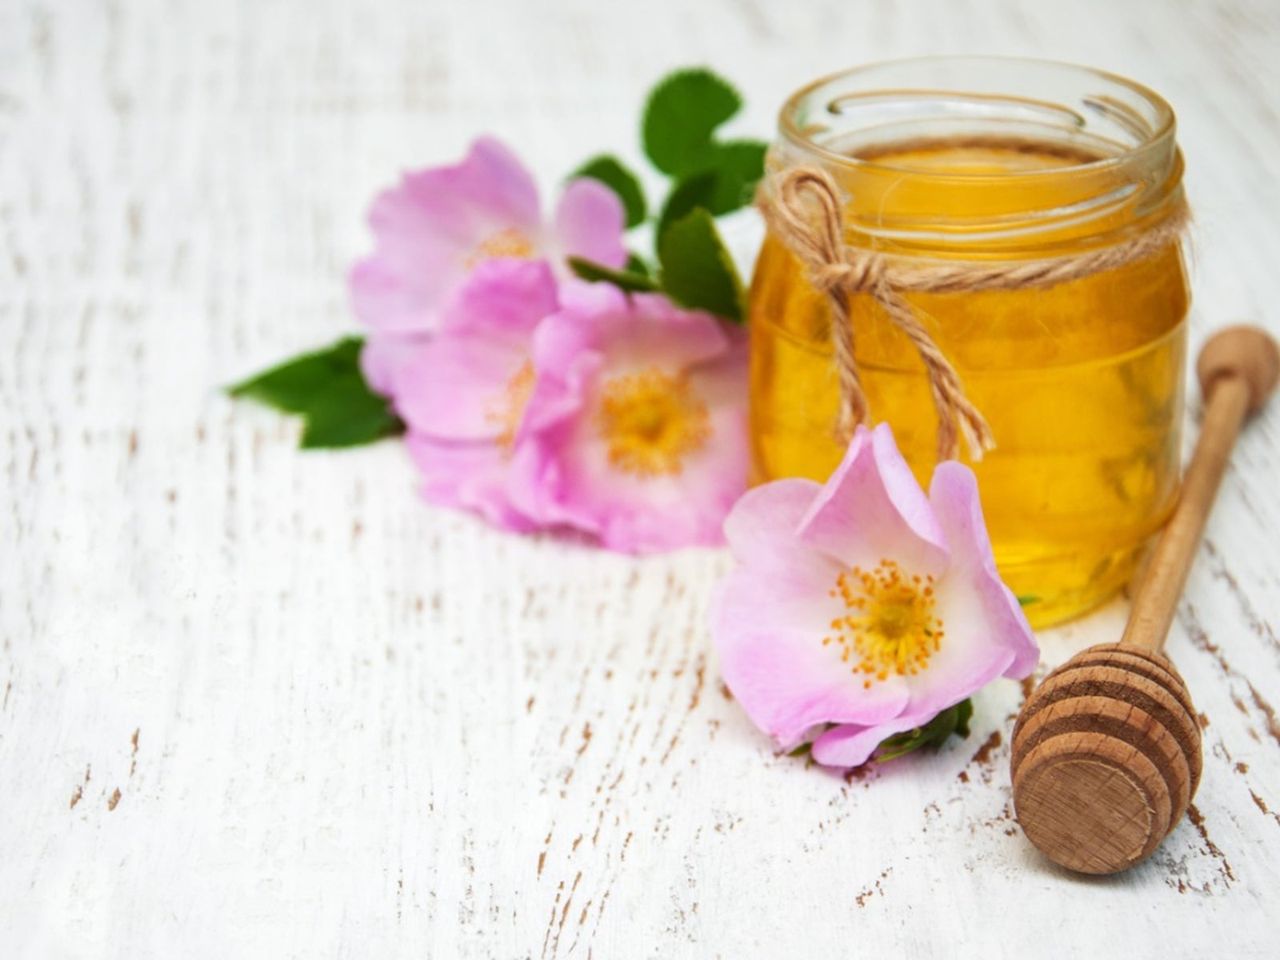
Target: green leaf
(727, 185)
(348, 414)
(328, 390)
(804, 750)
(739, 165)
(696, 191)
(636, 264)
(1027, 599)
(682, 113)
(697, 270)
(611, 172)
(628, 280)
(964, 713)
(953, 720)
(292, 385)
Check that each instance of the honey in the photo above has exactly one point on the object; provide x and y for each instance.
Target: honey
(1081, 383)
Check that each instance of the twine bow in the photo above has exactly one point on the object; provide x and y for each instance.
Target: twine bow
(804, 211)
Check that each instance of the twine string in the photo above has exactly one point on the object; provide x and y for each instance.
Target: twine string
(804, 211)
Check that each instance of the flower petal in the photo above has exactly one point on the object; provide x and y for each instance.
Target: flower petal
(382, 359)
(580, 296)
(872, 508)
(490, 190)
(628, 512)
(667, 337)
(590, 222)
(459, 388)
(851, 745)
(985, 631)
(471, 476)
(461, 383)
(427, 229)
(504, 299)
(954, 495)
(577, 351)
(384, 299)
(496, 177)
(768, 631)
(648, 514)
(633, 333)
(709, 483)
(762, 528)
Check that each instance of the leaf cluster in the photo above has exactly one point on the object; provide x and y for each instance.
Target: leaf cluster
(953, 720)
(328, 391)
(709, 177)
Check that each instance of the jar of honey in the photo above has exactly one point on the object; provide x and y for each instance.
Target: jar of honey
(987, 161)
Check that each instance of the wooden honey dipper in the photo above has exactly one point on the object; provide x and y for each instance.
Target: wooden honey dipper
(1106, 753)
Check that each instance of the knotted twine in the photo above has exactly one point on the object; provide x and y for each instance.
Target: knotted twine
(802, 208)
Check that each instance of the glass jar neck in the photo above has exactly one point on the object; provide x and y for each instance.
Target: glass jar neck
(983, 157)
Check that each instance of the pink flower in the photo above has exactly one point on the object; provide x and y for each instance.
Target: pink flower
(637, 429)
(863, 604)
(623, 418)
(463, 392)
(438, 224)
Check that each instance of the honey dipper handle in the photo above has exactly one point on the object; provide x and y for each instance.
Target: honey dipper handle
(1237, 369)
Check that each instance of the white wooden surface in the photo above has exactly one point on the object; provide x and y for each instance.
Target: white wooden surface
(258, 703)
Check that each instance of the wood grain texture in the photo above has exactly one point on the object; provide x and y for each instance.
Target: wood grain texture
(1113, 712)
(256, 703)
(1226, 402)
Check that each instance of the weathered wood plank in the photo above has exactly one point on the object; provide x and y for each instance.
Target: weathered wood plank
(259, 703)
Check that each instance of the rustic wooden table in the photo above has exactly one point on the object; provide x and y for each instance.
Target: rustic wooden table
(258, 703)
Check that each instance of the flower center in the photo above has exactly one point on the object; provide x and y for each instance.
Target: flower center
(651, 421)
(508, 410)
(508, 242)
(889, 627)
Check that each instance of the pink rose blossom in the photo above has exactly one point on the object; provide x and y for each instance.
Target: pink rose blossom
(435, 226)
(863, 604)
(622, 417)
(637, 429)
(462, 393)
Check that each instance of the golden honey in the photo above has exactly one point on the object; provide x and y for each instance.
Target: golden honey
(1081, 383)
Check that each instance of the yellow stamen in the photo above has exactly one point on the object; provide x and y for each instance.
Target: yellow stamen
(651, 421)
(890, 627)
(508, 410)
(508, 242)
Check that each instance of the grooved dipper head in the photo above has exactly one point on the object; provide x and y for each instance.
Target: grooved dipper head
(1106, 757)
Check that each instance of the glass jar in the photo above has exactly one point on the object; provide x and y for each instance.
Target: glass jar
(989, 160)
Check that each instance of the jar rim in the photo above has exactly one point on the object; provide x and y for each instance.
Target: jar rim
(1153, 140)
